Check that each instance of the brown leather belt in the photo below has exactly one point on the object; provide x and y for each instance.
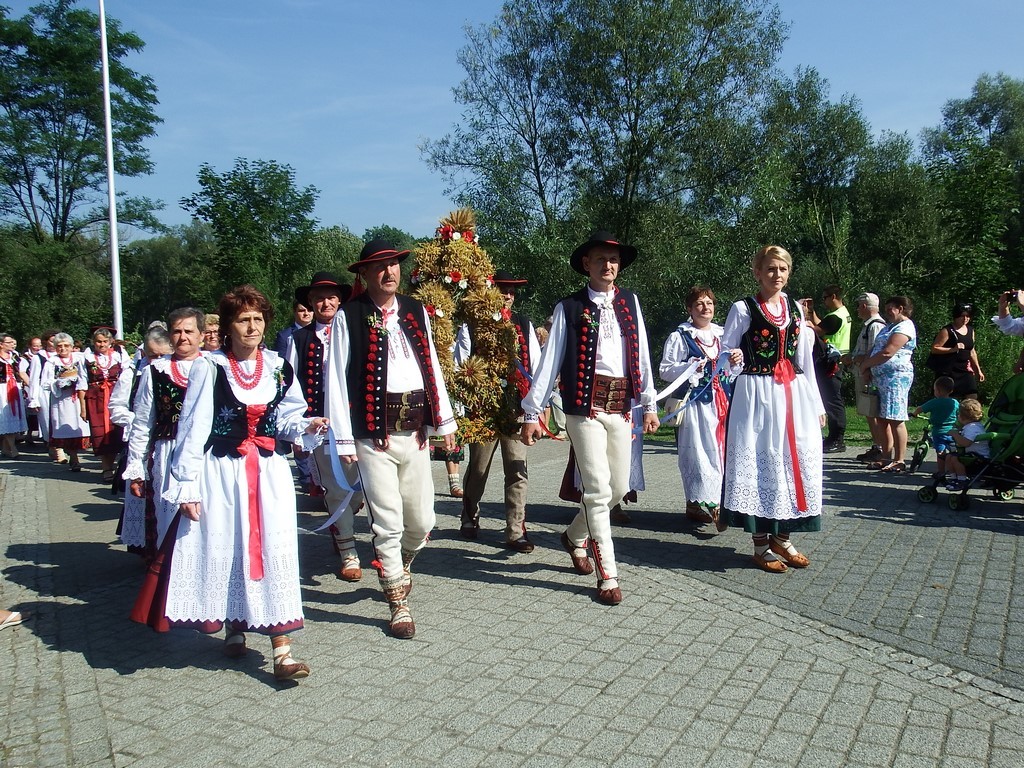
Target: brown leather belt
(611, 394)
(405, 410)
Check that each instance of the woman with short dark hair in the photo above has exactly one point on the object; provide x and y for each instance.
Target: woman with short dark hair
(954, 348)
(230, 557)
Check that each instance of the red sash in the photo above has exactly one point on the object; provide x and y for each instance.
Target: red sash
(784, 374)
(249, 448)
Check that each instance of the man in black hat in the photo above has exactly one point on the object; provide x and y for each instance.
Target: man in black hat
(513, 452)
(308, 351)
(598, 345)
(386, 397)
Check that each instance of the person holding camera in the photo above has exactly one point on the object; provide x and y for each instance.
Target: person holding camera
(1011, 326)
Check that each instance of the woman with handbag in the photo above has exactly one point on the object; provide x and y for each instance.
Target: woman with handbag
(700, 424)
(953, 354)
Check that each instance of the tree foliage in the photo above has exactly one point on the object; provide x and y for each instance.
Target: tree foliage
(262, 223)
(52, 141)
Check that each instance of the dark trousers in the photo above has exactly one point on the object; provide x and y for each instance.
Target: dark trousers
(831, 388)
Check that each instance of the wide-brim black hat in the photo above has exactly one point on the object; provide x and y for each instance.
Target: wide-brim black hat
(503, 277)
(377, 250)
(627, 253)
(321, 280)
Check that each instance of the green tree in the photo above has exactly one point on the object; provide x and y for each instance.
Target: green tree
(980, 145)
(169, 271)
(262, 222)
(52, 285)
(52, 145)
(585, 111)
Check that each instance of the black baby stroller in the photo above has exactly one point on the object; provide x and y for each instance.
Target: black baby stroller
(1004, 469)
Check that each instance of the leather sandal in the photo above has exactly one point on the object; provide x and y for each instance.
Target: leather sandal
(350, 570)
(612, 596)
(234, 645)
(287, 668)
(895, 468)
(794, 558)
(771, 566)
(582, 565)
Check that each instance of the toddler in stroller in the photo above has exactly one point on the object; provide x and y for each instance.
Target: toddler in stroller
(1003, 468)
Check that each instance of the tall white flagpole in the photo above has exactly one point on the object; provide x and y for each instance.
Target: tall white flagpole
(115, 260)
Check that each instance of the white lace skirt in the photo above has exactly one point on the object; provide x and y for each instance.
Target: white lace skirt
(210, 577)
(760, 476)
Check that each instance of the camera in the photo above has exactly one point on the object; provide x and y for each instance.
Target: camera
(1011, 294)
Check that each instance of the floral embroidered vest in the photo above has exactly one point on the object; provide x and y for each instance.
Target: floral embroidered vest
(582, 328)
(168, 398)
(764, 343)
(367, 373)
(230, 428)
(703, 392)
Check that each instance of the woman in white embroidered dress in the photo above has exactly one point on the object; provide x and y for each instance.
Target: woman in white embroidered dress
(12, 402)
(772, 477)
(701, 437)
(158, 402)
(231, 555)
(63, 380)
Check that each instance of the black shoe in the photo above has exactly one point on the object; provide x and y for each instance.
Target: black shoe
(833, 446)
(522, 544)
(469, 531)
(874, 453)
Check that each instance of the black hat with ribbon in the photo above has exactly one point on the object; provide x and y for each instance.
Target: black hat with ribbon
(321, 280)
(376, 251)
(504, 278)
(627, 253)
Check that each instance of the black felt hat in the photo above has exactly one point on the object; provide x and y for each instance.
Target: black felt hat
(377, 250)
(627, 253)
(504, 277)
(321, 280)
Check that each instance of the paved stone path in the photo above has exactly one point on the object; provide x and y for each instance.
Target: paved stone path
(901, 645)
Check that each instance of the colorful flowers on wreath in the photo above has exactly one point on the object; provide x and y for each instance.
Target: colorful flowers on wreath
(456, 278)
(434, 311)
(447, 233)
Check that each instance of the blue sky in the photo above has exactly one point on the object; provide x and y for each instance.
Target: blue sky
(344, 91)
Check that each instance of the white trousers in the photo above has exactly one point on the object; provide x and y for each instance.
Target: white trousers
(334, 496)
(399, 492)
(602, 445)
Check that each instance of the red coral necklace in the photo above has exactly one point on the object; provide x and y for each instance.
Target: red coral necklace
(177, 376)
(245, 380)
(776, 319)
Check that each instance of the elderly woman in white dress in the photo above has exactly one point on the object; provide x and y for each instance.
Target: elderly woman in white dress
(64, 382)
(700, 437)
(231, 556)
(12, 402)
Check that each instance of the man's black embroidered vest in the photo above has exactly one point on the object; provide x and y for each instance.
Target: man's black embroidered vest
(367, 373)
(167, 400)
(582, 328)
(230, 426)
(309, 359)
(764, 343)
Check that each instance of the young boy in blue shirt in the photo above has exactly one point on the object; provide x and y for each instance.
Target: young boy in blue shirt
(942, 411)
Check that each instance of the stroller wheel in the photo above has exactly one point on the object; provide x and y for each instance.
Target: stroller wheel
(926, 494)
(958, 501)
(1004, 495)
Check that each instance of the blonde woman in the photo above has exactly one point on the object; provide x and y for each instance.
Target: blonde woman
(772, 475)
